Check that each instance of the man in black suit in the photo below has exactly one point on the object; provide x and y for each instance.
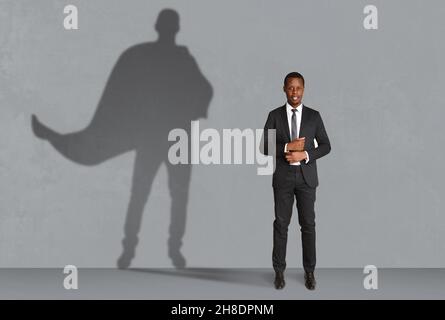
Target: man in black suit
(295, 174)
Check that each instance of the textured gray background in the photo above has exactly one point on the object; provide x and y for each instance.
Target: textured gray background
(380, 199)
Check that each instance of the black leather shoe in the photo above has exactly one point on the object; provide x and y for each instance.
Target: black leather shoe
(279, 280)
(309, 280)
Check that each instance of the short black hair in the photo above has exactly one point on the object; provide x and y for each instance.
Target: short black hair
(293, 75)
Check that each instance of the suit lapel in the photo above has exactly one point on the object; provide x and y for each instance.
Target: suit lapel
(285, 122)
(304, 118)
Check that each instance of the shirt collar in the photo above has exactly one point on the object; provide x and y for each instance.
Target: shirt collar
(289, 107)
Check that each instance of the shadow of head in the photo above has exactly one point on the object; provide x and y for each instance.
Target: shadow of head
(167, 24)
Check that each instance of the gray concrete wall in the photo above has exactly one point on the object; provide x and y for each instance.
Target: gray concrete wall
(380, 93)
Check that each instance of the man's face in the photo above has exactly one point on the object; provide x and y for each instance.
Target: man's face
(294, 90)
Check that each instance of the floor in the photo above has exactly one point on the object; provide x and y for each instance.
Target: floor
(219, 284)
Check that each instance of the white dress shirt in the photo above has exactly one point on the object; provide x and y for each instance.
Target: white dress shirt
(289, 121)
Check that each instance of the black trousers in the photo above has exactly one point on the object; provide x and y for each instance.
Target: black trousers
(295, 186)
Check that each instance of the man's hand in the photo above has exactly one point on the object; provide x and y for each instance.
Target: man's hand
(296, 145)
(295, 156)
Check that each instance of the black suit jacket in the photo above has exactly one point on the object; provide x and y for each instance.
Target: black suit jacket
(311, 127)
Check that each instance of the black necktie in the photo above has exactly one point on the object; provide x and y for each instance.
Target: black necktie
(294, 124)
